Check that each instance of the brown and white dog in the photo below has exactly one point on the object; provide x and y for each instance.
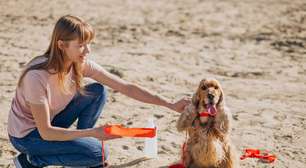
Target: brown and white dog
(207, 121)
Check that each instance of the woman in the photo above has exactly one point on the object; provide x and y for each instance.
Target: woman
(50, 97)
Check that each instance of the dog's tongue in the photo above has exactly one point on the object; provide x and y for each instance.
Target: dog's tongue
(211, 109)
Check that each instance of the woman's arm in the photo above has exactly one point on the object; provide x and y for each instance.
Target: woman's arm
(48, 132)
(137, 92)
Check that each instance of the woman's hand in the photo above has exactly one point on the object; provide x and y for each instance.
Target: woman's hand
(179, 106)
(100, 134)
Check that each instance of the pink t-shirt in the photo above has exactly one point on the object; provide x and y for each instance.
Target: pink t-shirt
(38, 87)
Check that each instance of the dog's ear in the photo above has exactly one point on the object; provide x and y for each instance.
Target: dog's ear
(195, 99)
(196, 96)
(221, 98)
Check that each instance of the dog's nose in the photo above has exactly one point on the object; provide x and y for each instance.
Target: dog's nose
(210, 96)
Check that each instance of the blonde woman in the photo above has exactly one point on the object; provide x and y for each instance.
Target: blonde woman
(50, 97)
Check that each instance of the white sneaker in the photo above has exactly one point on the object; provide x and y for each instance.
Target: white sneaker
(22, 161)
(16, 162)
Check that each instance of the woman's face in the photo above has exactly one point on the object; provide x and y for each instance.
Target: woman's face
(76, 51)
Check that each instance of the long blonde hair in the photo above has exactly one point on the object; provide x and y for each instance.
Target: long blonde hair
(67, 28)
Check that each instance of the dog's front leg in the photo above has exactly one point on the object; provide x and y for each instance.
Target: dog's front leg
(187, 159)
(186, 119)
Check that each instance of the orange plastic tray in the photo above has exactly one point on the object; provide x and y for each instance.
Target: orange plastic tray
(130, 132)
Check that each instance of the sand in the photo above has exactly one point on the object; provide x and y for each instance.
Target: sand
(256, 49)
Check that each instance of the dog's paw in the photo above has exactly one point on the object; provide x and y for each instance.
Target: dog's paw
(186, 119)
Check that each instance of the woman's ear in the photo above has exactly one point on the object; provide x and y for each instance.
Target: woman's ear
(60, 44)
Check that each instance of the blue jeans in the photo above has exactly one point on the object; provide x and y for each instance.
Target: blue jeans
(85, 151)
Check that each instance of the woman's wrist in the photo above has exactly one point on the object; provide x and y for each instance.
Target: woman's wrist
(91, 132)
(169, 105)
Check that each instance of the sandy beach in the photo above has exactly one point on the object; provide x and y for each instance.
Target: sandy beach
(256, 49)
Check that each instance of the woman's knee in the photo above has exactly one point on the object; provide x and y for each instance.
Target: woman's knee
(96, 89)
(95, 151)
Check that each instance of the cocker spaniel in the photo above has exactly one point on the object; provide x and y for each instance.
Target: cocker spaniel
(207, 122)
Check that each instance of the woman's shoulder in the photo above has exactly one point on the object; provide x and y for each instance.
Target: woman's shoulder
(89, 62)
(91, 68)
(35, 79)
(36, 71)
(37, 74)
(92, 64)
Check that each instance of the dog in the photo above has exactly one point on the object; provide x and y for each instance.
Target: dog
(207, 122)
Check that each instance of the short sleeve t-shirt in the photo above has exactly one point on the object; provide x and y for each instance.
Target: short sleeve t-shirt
(39, 87)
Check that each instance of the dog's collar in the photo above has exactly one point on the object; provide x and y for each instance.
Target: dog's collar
(206, 114)
(203, 114)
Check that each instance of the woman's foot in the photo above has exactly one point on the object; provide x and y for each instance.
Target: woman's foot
(21, 161)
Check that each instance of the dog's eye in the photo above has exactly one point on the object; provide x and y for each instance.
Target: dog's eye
(216, 87)
(203, 87)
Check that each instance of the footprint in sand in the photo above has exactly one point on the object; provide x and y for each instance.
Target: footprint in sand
(140, 148)
(125, 147)
(158, 116)
(129, 123)
(280, 117)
